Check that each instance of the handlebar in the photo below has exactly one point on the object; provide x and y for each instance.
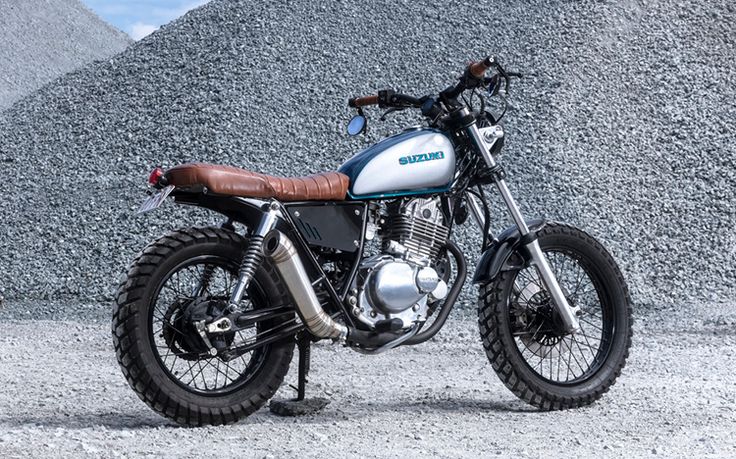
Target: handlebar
(356, 102)
(472, 78)
(386, 98)
(478, 69)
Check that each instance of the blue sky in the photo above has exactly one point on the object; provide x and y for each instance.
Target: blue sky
(139, 18)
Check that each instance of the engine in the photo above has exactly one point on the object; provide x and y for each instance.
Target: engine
(397, 286)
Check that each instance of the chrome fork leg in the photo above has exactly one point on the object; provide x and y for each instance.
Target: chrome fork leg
(253, 255)
(568, 313)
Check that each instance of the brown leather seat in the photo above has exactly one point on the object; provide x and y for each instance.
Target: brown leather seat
(233, 181)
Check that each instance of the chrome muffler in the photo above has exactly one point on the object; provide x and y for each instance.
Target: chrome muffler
(282, 253)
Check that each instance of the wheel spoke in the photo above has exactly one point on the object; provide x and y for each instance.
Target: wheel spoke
(582, 353)
(195, 375)
(590, 323)
(579, 279)
(545, 356)
(217, 369)
(189, 371)
(538, 337)
(180, 350)
(585, 336)
(572, 357)
(559, 359)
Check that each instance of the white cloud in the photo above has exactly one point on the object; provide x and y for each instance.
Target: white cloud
(159, 16)
(140, 30)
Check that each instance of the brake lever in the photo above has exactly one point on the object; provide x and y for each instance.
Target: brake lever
(492, 84)
(507, 79)
(389, 111)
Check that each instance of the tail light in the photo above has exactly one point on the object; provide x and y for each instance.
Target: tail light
(155, 176)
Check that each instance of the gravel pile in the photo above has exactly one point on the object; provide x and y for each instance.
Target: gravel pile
(623, 126)
(41, 40)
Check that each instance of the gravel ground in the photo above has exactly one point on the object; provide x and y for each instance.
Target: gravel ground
(64, 396)
(623, 127)
(44, 39)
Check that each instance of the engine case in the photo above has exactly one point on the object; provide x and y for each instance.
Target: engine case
(398, 282)
(395, 285)
(396, 289)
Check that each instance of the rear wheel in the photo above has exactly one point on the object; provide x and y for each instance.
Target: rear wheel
(523, 336)
(170, 287)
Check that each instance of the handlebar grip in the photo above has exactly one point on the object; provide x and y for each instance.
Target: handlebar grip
(478, 69)
(363, 101)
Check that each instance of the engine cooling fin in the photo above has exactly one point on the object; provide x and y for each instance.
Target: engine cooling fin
(423, 238)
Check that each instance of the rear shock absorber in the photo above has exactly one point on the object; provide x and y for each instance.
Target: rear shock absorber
(204, 281)
(253, 255)
(209, 270)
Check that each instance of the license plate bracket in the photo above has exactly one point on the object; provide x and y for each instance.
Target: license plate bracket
(155, 200)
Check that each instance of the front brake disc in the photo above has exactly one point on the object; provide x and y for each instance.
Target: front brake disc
(531, 315)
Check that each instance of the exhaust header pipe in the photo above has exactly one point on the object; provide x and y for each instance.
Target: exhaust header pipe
(282, 253)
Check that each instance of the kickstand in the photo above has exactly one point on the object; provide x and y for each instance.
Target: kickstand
(303, 343)
(300, 405)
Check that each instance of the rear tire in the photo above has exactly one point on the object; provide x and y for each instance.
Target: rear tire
(500, 334)
(135, 344)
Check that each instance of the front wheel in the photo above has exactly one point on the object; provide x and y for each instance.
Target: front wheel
(523, 336)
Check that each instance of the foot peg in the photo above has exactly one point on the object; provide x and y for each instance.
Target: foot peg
(300, 406)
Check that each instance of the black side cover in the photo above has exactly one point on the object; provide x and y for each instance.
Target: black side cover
(335, 225)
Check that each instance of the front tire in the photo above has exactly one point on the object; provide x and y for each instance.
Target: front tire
(523, 339)
(149, 330)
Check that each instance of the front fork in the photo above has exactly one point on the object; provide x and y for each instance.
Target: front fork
(568, 313)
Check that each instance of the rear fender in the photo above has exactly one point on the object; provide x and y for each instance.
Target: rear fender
(500, 257)
(250, 212)
(241, 210)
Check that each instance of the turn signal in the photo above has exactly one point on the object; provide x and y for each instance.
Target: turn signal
(155, 176)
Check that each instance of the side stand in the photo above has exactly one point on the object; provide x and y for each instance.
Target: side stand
(300, 406)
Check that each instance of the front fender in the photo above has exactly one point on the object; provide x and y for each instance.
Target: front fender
(497, 257)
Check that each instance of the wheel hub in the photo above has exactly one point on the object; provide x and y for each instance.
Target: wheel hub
(180, 330)
(540, 319)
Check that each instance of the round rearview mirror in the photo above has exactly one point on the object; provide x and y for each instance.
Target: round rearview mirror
(356, 125)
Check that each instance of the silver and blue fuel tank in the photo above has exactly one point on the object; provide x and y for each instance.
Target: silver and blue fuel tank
(414, 162)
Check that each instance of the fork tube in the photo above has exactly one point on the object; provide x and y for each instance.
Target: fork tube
(567, 312)
(500, 182)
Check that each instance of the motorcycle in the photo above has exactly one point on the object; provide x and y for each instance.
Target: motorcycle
(206, 321)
